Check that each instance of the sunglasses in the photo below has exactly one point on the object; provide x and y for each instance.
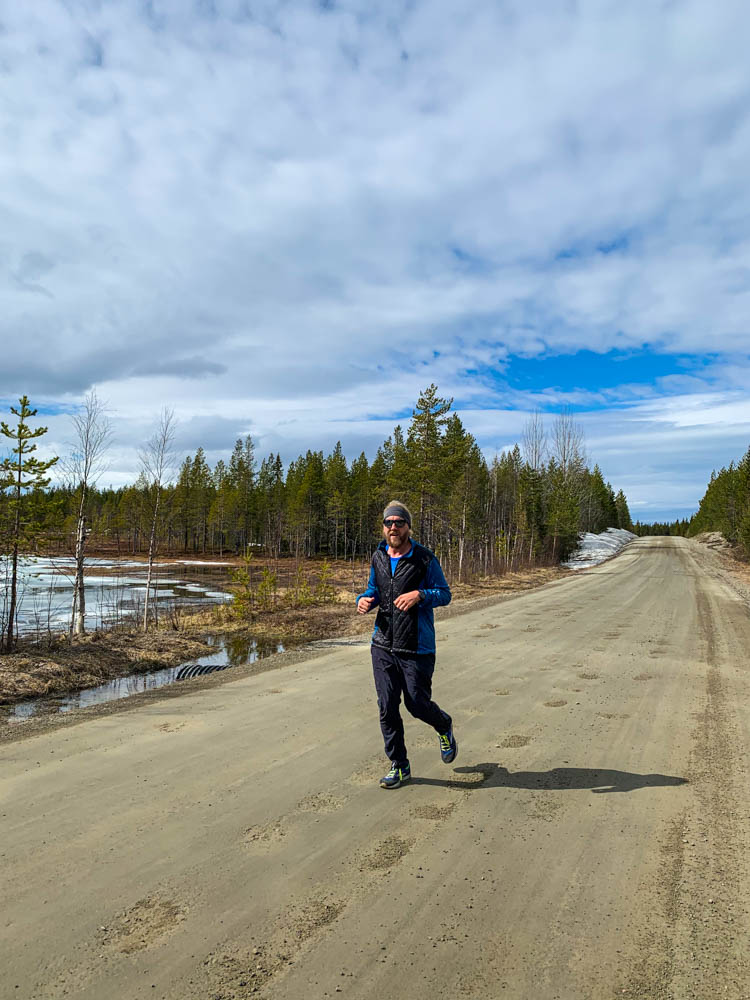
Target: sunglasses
(394, 522)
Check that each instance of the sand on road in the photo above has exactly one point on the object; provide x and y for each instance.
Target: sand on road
(591, 840)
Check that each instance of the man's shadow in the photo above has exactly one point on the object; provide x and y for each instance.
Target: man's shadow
(556, 779)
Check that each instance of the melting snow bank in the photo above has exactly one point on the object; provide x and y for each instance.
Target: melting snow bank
(594, 549)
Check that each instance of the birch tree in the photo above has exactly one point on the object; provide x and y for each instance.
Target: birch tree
(93, 434)
(568, 445)
(534, 441)
(157, 461)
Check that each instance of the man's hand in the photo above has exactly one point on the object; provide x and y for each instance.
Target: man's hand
(364, 604)
(406, 601)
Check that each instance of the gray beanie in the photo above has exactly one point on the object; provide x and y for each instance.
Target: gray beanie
(396, 509)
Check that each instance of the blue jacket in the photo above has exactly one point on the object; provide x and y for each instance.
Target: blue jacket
(434, 588)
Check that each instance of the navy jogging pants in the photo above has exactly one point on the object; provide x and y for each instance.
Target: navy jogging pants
(409, 674)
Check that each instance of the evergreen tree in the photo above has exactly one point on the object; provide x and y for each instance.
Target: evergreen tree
(336, 483)
(271, 503)
(219, 506)
(201, 489)
(463, 485)
(363, 513)
(622, 512)
(400, 481)
(241, 487)
(725, 506)
(429, 419)
(183, 502)
(20, 472)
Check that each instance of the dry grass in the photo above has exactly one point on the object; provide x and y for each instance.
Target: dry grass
(90, 660)
(94, 659)
(511, 583)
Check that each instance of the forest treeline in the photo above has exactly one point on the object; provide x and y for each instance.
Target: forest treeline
(678, 527)
(525, 506)
(725, 506)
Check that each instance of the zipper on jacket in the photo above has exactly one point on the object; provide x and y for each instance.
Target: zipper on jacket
(393, 607)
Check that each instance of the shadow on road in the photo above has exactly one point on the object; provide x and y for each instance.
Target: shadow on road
(557, 779)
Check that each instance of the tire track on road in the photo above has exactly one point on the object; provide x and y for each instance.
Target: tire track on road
(699, 951)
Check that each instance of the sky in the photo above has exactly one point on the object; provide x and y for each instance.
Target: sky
(286, 219)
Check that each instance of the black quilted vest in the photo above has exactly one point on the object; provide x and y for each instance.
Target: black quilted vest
(398, 630)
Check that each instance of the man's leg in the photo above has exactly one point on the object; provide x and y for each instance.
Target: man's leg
(388, 684)
(417, 671)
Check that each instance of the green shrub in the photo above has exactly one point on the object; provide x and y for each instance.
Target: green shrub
(242, 590)
(265, 592)
(299, 594)
(325, 591)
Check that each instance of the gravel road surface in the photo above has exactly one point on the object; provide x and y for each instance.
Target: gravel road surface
(591, 840)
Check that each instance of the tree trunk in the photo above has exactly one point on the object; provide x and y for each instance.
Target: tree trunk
(78, 614)
(151, 552)
(14, 564)
(12, 609)
(461, 540)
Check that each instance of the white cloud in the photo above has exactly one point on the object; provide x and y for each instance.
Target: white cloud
(293, 218)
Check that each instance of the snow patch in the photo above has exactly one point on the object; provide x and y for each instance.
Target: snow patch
(594, 549)
(198, 562)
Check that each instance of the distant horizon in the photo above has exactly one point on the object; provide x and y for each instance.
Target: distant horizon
(127, 476)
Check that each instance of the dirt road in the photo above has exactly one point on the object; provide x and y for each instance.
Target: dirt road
(591, 841)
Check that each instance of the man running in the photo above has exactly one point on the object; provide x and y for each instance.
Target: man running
(406, 583)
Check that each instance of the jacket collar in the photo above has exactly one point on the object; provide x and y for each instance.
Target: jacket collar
(383, 546)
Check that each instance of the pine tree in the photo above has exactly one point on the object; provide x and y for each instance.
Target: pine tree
(623, 514)
(424, 439)
(242, 486)
(336, 476)
(217, 517)
(462, 484)
(400, 481)
(183, 502)
(596, 503)
(19, 473)
(361, 503)
(270, 497)
(725, 506)
(201, 495)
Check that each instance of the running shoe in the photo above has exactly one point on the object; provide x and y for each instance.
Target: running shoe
(396, 776)
(448, 746)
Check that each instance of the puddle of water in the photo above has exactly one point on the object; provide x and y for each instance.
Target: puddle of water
(115, 589)
(231, 651)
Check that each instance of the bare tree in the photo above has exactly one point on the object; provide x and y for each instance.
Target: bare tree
(157, 463)
(93, 434)
(568, 444)
(534, 440)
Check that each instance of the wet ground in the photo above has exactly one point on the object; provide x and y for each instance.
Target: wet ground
(230, 651)
(115, 590)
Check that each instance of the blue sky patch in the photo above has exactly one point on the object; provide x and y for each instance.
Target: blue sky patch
(594, 372)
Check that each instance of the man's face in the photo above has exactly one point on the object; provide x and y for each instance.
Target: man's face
(396, 531)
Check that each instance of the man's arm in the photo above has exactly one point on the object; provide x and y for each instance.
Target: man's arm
(370, 598)
(435, 590)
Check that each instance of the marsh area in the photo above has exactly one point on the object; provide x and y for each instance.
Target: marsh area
(115, 590)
